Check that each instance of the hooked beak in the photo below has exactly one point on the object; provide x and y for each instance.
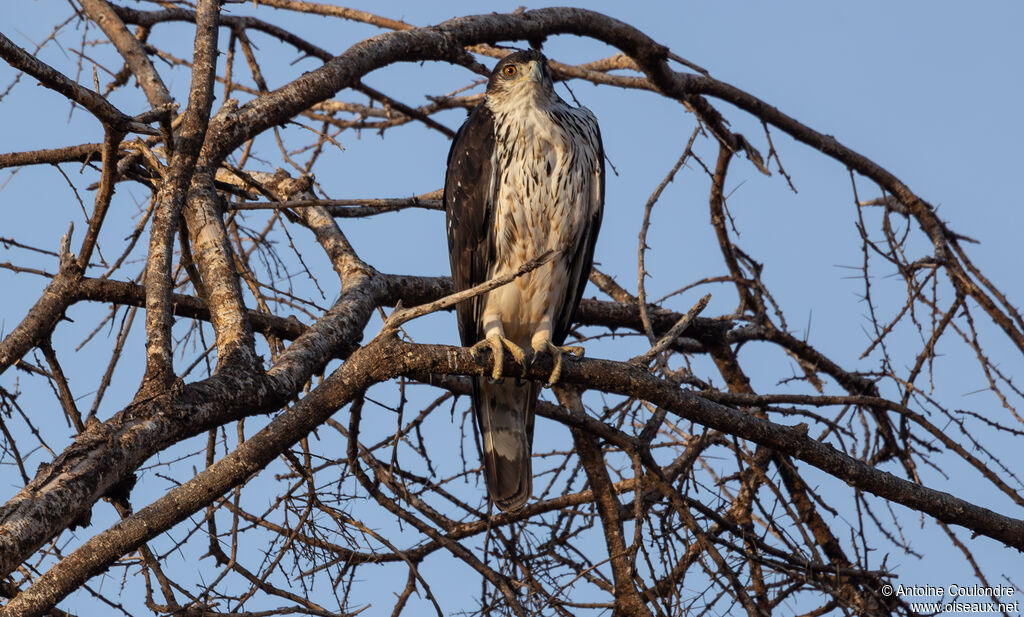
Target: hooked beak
(536, 73)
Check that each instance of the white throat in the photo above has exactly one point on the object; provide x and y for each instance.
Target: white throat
(524, 97)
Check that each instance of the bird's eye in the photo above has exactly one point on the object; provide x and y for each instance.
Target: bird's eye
(509, 70)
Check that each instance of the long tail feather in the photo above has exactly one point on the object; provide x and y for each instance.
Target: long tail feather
(504, 414)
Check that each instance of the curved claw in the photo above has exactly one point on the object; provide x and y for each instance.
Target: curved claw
(574, 352)
(498, 345)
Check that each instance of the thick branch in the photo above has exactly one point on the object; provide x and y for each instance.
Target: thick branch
(627, 598)
(170, 201)
(129, 294)
(130, 49)
(65, 490)
(385, 358)
(44, 315)
(629, 380)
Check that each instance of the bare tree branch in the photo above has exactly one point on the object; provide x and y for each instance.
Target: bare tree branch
(328, 458)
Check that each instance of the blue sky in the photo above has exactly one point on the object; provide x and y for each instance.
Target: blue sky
(930, 90)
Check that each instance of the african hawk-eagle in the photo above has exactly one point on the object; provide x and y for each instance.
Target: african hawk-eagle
(525, 175)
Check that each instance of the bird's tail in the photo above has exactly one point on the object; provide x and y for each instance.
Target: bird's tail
(504, 414)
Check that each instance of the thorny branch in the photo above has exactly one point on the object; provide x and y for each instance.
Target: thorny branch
(698, 494)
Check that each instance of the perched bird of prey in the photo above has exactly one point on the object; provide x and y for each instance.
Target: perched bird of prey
(525, 175)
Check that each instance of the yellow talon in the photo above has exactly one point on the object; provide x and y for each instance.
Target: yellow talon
(497, 345)
(556, 352)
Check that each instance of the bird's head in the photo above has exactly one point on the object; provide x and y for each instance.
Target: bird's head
(524, 73)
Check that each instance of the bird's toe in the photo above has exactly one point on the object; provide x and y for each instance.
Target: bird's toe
(575, 352)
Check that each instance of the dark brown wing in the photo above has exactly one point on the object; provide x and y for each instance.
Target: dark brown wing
(469, 194)
(503, 411)
(583, 257)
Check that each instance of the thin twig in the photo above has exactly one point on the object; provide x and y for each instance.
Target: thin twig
(670, 336)
(400, 316)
